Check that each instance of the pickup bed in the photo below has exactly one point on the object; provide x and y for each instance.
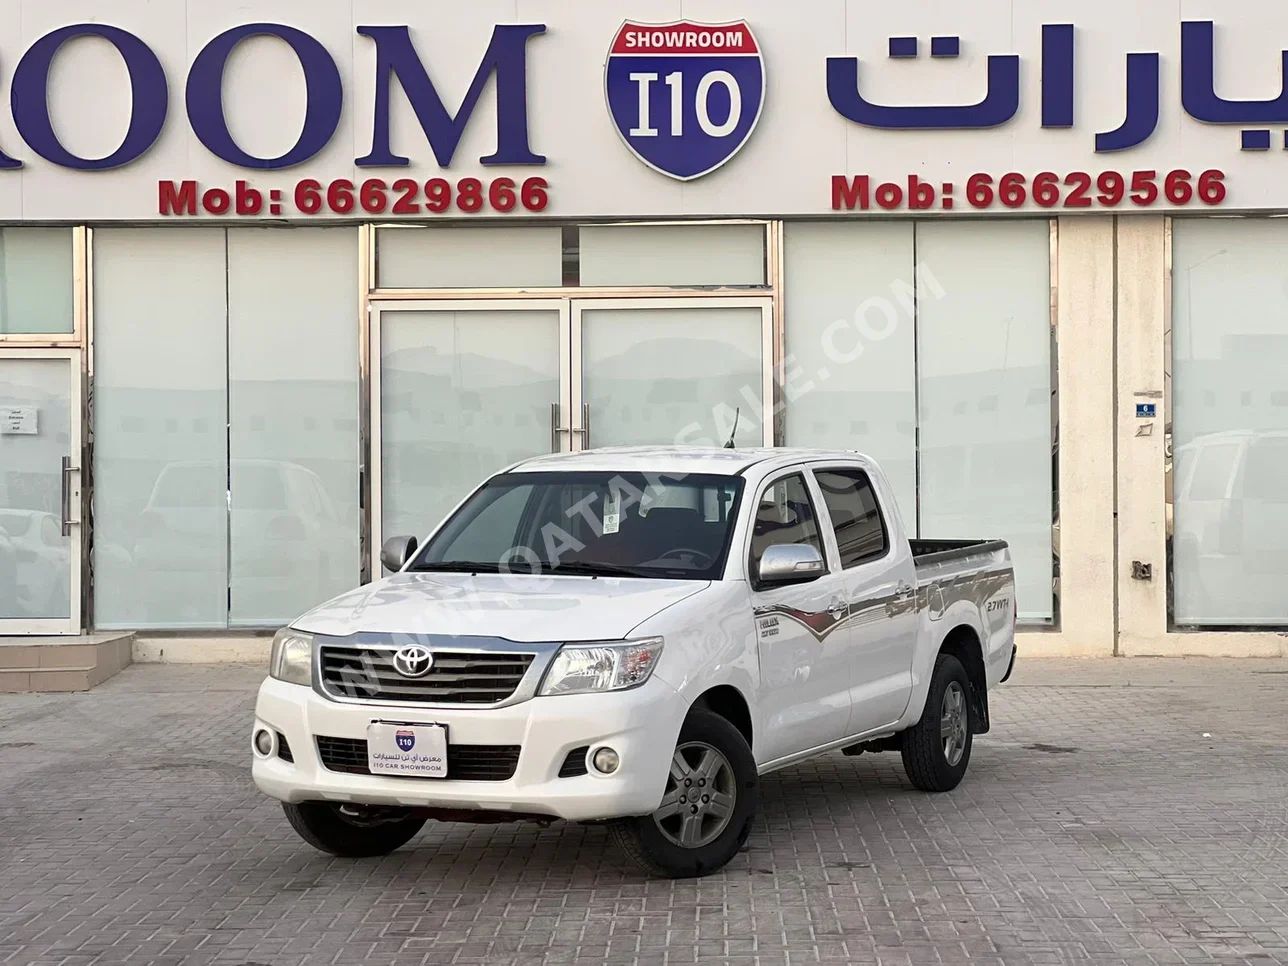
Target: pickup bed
(634, 636)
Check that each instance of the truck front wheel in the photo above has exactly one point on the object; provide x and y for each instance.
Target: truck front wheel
(711, 797)
(352, 832)
(936, 750)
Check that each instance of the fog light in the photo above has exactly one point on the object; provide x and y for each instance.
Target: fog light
(263, 742)
(606, 761)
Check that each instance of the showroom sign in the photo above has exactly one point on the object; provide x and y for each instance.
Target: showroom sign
(1005, 112)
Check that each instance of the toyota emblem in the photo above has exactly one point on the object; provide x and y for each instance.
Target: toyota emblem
(413, 661)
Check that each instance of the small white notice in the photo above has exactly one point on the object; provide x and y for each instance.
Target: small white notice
(612, 514)
(19, 420)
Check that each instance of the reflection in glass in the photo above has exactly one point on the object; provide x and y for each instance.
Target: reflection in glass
(161, 429)
(35, 434)
(668, 375)
(36, 281)
(854, 391)
(1230, 422)
(984, 356)
(452, 257)
(462, 395)
(293, 434)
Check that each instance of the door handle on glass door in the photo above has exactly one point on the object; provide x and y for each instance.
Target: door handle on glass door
(65, 500)
(585, 426)
(555, 428)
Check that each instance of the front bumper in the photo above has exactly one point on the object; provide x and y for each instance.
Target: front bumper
(641, 725)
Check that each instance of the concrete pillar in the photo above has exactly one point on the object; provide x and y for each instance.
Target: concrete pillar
(1084, 291)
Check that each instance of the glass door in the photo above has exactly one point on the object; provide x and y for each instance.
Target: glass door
(460, 389)
(40, 502)
(682, 371)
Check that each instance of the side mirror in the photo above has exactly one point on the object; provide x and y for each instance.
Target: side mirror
(790, 563)
(396, 551)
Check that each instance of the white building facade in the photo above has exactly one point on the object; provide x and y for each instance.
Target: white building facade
(278, 281)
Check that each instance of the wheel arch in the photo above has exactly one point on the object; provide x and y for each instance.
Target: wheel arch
(963, 643)
(729, 703)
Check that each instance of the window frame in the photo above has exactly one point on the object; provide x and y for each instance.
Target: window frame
(876, 497)
(814, 496)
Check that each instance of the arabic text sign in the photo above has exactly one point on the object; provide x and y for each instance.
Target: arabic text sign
(402, 749)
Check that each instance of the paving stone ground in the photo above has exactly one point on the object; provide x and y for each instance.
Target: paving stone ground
(1121, 812)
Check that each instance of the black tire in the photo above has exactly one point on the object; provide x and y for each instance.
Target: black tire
(642, 838)
(321, 825)
(925, 758)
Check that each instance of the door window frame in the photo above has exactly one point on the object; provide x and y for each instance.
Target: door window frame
(72, 480)
(583, 418)
(822, 520)
(881, 514)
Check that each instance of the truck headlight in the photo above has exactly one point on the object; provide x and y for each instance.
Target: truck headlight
(583, 668)
(292, 657)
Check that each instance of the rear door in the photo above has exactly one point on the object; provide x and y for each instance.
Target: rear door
(877, 579)
(804, 650)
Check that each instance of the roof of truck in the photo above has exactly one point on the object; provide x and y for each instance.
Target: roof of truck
(675, 459)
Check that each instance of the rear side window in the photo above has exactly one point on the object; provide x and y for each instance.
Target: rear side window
(856, 517)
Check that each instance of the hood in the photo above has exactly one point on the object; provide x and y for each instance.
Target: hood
(520, 609)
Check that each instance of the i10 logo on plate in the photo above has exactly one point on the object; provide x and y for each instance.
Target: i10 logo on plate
(406, 740)
(685, 96)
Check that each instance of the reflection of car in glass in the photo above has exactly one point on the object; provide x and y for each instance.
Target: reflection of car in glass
(286, 536)
(634, 636)
(1230, 540)
(39, 563)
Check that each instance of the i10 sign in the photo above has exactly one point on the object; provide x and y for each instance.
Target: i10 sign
(685, 96)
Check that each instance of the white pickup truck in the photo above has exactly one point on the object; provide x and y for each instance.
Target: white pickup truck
(633, 637)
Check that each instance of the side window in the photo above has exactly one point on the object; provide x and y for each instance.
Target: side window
(784, 515)
(852, 504)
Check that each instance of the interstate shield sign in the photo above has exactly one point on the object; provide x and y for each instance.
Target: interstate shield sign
(685, 96)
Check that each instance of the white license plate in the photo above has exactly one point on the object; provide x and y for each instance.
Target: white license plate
(399, 748)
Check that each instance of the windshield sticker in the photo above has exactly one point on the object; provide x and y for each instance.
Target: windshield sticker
(612, 513)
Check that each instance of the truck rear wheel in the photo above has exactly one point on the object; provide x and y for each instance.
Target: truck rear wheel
(936, 750)
(351, 833)
(711, 797)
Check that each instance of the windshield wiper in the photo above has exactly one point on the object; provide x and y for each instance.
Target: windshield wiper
(578, 568)
(457, 567)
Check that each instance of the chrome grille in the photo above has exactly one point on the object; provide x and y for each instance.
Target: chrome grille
(476, 677)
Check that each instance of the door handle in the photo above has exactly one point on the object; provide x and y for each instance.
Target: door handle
(585, 426)
(65, 499)
(903, 591)
(555, 428)
(838, 608)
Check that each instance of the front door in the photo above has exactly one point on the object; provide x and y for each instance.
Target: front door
(460, 389)
(40, 503)
(805, 666)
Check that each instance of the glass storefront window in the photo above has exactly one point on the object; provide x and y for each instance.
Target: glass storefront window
(449, 257)
(293, 421)
(850, 346)
(160, 429)
(984, 392)
(1229, 422)
(633, 255)
(226, 425)
(36, 281)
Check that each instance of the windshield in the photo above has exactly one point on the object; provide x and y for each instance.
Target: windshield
(591, 524)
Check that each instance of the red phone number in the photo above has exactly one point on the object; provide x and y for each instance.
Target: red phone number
(1047, 190)
(373, 196)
